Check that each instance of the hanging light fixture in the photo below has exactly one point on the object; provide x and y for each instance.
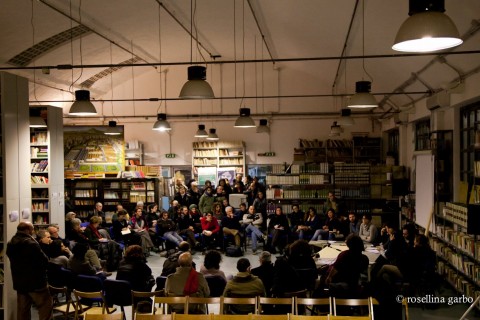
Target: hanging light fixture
(427, 29)
(335, 130)
(212, 134)
(162, 124)
(36, 121)
(345, 118)
(82, 105)
(112, 129)
(197, 87)
(201, 132)
(263, 127)
(362, 98)
(244, 120)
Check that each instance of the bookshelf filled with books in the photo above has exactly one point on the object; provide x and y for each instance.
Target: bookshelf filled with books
(457, 247)
(218, 155)
(39, 143)
(84, 193)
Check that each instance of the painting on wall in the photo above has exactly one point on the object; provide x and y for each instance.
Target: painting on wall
(90, 153)
(183, 173)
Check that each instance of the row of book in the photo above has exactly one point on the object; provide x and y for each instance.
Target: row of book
(279, 193)
(39, 152)
(457, 280)
(205, 153)
(84, 202)
(234, 161)
(41, 166)
(465, 242)
(282, 180)
(115, 195)
(456, 213)
(351, 168)
(360, 192)
(40, 206)
(148, 171)
(38, 180)
(460, 262)
(219, 144)
(205, 161)
(39, 138)
(277, 168)
(92, 193)
(311, 168)
(141, 197)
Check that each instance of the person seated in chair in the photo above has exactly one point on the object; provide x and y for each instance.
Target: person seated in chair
(367, 231)
(171, 263)
(187, 282)
(265, 271)
(243, 285)
(330, 229)
(210, 231)
(252, 222)
(134, 269)
(277, 228)
(211, 265)
(186, 226)
(231, 226)
(167, 228)
(311, 223)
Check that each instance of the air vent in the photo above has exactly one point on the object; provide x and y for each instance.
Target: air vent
(90, 81)
(24, 58)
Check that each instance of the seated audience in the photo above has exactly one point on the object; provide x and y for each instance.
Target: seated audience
(53, 230)
(265, 271)
(368, 231)
(210, 231)
(59, 254)
(167, 228)
(211, 265)
(231, 226)
(354, 224)
(68, 224)
(182, 197)
(187, 282)
(134, 269)
(252, 222)
(278, 229)
(243, 284)
(80, 264)
(140, 226)
(344, 276)
(186, 226)
(122, 230)
(171, 263)
(296, 217)
(330, 229)
(311, 223)
(206, 200)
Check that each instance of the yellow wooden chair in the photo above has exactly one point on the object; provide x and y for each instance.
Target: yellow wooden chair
(204, 301)
(113, 316)
(80, 311)
(165, 303)
(264, 301)
(138, 296)
(332, 317)
(314, 303)
(143, 316)
(303, 317)
(269, 317)
(363, 302)
(178, 316)
(226, 302)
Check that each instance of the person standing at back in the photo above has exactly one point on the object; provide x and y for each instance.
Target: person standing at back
(29, 265)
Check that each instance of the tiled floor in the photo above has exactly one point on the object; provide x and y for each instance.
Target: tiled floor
(228, 265)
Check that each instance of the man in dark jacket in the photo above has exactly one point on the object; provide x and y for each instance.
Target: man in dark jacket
(29, 273)
(171, 263)
(265, 271)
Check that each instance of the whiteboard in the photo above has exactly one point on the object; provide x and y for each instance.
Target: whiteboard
(424, 189)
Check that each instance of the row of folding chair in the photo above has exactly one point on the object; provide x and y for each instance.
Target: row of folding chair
(174, 316)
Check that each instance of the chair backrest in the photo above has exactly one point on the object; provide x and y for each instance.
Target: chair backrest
(231, 316)
(275, 301)
(138, 296)
(93, 296)
(68, 278)
(88, 283)
(366, 302)
(141, 316)
(54, 276)
(165, 304)
(160, 281)
(118, 292)
(332, 317)
(84, 224)
(269, 317)
(202, 301)
(316, 303)
(227, 302)
(179, 316)
(304, 317)
(63, 291)
(300, 293)
(216, 284)
(113, 316)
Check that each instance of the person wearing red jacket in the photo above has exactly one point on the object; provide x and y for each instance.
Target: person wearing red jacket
(210, 231)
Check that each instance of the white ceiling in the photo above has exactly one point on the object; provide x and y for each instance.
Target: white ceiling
(292, 29)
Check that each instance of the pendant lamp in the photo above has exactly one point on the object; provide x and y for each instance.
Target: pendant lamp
(263, 127)
(161, 124)
(82, 105)
(212, 134)
(244, 120)
(346, 118)
(362, 98)
(201, 132)
(36, 121)
(112, 129)
(197, 87)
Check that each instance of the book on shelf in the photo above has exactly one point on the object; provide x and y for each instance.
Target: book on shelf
(38, 180)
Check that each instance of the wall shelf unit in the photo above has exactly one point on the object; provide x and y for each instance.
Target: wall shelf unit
(221, 154)
(84, 193)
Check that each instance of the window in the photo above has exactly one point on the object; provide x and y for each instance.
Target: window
(422, 135)
(469, 124)
(393, 144)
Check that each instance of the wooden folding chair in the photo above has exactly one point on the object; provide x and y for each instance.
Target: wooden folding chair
(143, 316)
(332, 317)
(202, 300)
(303, 317)
(138, 296)
(269, 317)
(98, 296)
(66, 308)
(113, 316)
(364, 302)
(231, 316)
(178, 316)
(275, 301)
(226, 302)
(164, 304)
(315, 304)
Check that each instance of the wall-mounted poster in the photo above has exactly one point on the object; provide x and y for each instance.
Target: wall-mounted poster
(183, 173)
(89, 153)
(226, 173)
(207, 173)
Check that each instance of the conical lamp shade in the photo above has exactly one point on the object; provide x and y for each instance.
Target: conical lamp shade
(112, 129)
(37, 122)
(427, 32)
(161, 124)
(196, 87)
(244, 120)
(346, 119)
(263, 126)
(82, 105)
(212, 135)
(201, 132)
(362, 99)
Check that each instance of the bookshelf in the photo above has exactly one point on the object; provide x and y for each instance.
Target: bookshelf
(457, 250)
(218, 155)
(84, 193)
(46, 172)
(134, 154)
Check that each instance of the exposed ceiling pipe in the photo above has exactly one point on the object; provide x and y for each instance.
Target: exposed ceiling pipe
(213, 62)
(235, 98)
